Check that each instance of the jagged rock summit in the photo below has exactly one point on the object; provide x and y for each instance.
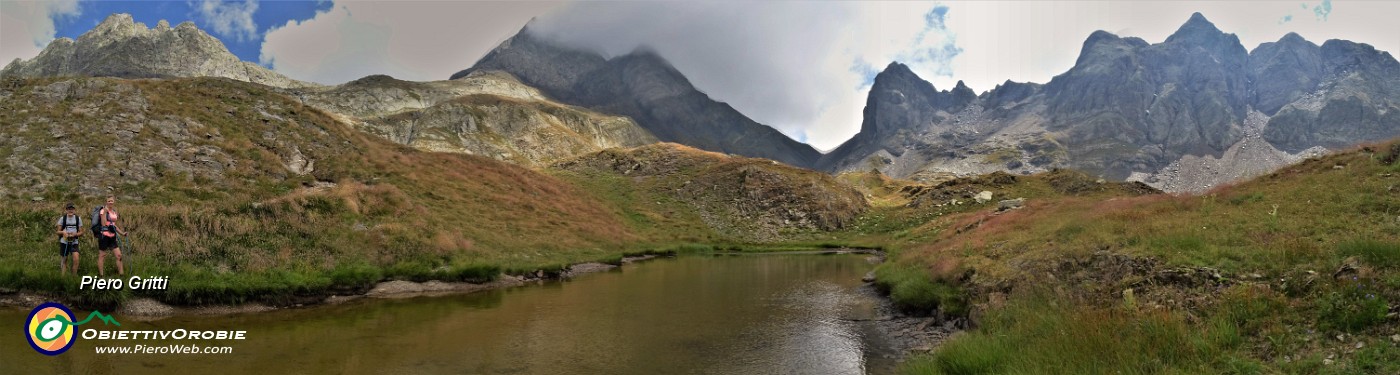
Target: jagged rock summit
(121, 47)
(1193, 111)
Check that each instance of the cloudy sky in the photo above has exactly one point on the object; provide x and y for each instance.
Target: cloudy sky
(801, 67)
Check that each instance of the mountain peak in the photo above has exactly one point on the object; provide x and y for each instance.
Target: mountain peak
(1195, 29)
(121, 47)
(895, 71)
(1098, 36)
(1198, 17)
(115, 20)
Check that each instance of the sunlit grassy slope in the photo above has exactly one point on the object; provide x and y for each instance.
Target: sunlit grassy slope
(236, 224)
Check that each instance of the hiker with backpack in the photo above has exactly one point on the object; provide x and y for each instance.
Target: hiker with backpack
(70, 227)
(106, 229)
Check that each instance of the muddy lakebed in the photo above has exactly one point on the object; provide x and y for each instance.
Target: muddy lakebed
(700, 314)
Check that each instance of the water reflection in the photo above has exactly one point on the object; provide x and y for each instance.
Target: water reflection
(772, 314)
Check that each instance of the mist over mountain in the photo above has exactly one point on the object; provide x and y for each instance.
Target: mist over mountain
(644, 86)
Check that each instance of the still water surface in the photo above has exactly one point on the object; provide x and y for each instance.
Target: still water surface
(744, 314)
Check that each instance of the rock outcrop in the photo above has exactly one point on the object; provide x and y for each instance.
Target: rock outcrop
(121, 47)
(487, 113)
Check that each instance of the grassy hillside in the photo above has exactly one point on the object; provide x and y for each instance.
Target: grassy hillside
(1293, 272)
(200, 169)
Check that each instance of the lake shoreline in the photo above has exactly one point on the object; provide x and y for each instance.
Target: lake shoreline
(146, 308)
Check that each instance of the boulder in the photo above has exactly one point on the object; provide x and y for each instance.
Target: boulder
(983, 197)
(1010, 204)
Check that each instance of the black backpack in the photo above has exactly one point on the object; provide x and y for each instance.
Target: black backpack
(63, 220)
(97, 222)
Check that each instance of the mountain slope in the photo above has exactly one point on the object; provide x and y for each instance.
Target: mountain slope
(256, 172)
(1278, 266)
(1191, 112)
(488, 113)
(645, 87)
(121, 47)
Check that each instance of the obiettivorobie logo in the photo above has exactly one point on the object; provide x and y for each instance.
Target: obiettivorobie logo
(50, 328)
(52, 331)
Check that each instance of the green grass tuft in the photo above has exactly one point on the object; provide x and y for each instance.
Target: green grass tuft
(915, 291)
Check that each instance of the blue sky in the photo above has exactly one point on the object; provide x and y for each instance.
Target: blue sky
(247, 44)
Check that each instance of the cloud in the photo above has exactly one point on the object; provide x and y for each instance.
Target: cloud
(26, 27)
(930, 53)
(801, 67)
(414, 40)
(231, 19)
(1323, 9)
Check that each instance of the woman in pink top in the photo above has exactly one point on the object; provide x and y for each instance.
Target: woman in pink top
(108, 240)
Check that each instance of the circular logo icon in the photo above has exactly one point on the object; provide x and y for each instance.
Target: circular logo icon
(50, 328)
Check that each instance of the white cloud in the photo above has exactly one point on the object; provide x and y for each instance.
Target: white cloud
(231, 19)
(796, 66)
(423, 41)
(26, 27)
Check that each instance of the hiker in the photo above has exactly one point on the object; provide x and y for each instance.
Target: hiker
(108, 239)
(70, 228)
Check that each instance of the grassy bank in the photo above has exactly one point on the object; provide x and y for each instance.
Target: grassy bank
(1292, 272)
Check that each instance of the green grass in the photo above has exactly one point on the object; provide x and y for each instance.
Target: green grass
(1375, 253)
(1042, 333)
(915, 291)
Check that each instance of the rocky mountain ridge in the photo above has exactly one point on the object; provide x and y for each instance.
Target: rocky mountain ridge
(121, 47)
(1186, 114)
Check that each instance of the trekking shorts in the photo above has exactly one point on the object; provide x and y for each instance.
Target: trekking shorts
(106, 243)
(67, 248)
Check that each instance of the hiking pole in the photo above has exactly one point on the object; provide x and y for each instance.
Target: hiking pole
(126, 248)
